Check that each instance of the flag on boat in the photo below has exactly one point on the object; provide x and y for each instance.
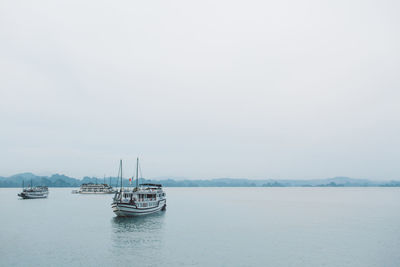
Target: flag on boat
(130, 180)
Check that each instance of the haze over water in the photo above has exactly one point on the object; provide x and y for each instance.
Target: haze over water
(206, 227)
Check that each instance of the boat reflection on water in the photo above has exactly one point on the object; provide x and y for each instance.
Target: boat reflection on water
(152, 222)
(138, 232)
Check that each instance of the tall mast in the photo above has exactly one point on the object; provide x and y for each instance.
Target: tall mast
(137, 168)
(120, 166)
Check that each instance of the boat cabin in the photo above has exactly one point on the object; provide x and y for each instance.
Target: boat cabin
(142, 197)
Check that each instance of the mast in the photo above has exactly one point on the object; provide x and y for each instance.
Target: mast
(137, 168)
(22, 184)
(120, 166)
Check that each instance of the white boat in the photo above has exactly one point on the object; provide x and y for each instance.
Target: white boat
(91, 188)
(34, 192)
(141, 200)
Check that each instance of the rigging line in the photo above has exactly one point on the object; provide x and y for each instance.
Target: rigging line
(133, 175)
(140, 171)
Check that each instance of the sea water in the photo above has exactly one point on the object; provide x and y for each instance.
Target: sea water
(206, 227)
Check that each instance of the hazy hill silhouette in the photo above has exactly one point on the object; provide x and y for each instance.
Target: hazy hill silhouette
(60, 180)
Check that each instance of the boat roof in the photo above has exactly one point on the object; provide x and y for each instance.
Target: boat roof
(142, 190)
(94, 184)
(156, 185)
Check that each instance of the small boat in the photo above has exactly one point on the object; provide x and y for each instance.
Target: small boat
(91, 188)
(34, 192)
(141, 200)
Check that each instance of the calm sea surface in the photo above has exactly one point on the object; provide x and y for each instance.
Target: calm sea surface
(206, 227)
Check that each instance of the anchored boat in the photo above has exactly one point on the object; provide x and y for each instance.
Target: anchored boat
(92, 188)
(141, 200)
(34, 192)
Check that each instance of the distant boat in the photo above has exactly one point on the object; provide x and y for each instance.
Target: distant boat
(91, 188)
(34, 192)
(141, 200)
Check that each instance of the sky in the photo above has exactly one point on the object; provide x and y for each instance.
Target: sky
(201, 89)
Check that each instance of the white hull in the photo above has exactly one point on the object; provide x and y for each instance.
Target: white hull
(126, 210)
(33, 196)
(90, 193)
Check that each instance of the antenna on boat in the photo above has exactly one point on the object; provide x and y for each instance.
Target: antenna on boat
(137, 168)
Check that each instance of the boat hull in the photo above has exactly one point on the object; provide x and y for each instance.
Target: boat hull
(92, 193)
(32, 196)
(126, 210)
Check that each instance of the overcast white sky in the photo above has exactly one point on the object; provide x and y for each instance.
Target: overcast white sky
(201, 89)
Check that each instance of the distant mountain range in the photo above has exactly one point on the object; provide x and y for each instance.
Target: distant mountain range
(59, 180)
